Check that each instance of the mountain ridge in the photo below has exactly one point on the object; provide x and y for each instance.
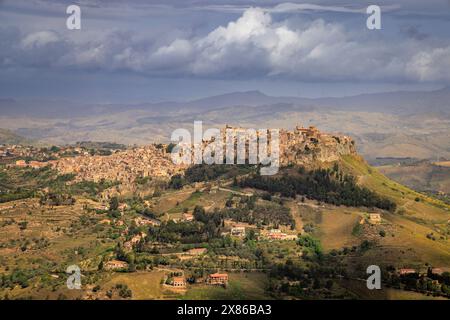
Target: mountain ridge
(395, 101)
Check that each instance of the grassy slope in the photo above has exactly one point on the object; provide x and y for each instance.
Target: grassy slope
(422, 176)
(413, 220)
(241, 286)
(373, 179)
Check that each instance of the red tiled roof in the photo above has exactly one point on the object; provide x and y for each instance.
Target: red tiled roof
(218, 275)
(178, 279)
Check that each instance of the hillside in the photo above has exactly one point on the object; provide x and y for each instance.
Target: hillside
(306, 232)
(422, 176)
(8, 137)
(417, 216)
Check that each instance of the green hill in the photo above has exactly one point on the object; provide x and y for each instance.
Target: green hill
(420, 223)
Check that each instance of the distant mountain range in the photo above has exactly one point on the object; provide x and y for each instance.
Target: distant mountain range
(401, 102)
(391, 124)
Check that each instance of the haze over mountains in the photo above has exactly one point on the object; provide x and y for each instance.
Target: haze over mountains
(394, 124)
(400, 102)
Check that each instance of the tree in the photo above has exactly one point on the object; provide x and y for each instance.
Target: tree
(157, 193)
(266, 196)
(250, 235)
(200, 214)
(113, 204)
(23, 225)
(317, 284)
(170, 147)
(132, 267)
(329, 284)
(176, 182)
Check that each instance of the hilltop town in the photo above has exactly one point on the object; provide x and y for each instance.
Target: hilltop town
(301, 146)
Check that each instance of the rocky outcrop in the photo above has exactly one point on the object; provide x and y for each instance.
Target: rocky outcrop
(306, 146)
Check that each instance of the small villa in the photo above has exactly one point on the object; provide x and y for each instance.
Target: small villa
(407, 271)
(238, 231)
(115, 264)
(179, 282)
(374, 218)
(217, 279)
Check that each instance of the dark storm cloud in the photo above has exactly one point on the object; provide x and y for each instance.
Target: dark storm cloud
(246, 43)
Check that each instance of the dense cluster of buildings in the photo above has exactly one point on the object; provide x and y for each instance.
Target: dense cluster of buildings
(123, 166)
(26, 154)
(11, 153)
(299, 146)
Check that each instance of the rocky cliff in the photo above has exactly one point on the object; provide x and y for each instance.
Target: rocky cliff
(306, 146)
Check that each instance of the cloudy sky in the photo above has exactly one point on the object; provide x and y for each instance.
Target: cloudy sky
(134, 51)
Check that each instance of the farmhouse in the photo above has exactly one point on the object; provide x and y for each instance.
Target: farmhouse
(115, 264)
(290, 237)
(374, 218)
(276, 234)
(146, 221)
(21, 163)
(188, 217)
(37, 164)
(134, 240)
(179, 282)
(407, 271)
(217, 279)
(238, 231)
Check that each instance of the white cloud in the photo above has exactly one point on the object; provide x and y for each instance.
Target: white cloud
(254, 45)
(433, 65)
(39, 39)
